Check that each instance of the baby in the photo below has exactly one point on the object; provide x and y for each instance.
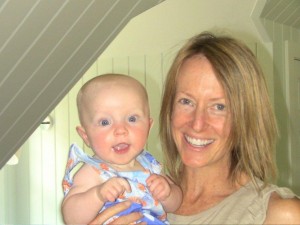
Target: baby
(115, 122)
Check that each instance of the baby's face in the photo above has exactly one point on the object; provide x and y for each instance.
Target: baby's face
(117, 123)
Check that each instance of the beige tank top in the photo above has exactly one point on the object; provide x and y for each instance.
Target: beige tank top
(245, 206)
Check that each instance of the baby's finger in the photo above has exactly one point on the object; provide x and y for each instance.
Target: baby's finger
(125, 185)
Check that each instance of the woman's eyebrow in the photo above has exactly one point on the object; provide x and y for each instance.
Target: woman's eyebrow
(218, 98)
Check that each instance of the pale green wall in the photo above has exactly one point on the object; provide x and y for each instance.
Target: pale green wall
(168, 25)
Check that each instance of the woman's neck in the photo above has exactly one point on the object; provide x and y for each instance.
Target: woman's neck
(205, 188)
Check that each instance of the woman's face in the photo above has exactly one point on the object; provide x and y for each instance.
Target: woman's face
(200, 118)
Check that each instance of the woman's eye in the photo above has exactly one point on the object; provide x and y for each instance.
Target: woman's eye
(185, 101)
(132, 119)
(220, 107)
(104, 122)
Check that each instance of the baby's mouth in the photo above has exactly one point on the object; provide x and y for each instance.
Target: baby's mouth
(198, 142)
(120, 147)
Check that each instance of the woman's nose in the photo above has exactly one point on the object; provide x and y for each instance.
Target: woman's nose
(199, 120)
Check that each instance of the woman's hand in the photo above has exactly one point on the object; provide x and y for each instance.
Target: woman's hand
(114, 210)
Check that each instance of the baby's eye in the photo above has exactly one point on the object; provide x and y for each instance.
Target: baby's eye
(132, 119)
(104, 122)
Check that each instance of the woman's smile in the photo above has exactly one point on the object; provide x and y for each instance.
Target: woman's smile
(198, 143)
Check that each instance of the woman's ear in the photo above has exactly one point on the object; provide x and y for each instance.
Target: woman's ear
(82, 133)
(150, 123)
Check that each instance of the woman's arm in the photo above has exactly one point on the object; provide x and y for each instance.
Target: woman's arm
(283, 211)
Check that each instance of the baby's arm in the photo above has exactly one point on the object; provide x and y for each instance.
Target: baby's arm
(165, 191)
(88, 195)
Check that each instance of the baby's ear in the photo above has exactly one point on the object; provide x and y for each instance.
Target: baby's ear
(81, 132)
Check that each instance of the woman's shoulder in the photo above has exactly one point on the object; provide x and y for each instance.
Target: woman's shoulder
(283, 210)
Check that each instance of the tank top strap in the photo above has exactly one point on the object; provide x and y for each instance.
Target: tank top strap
(149, 162)
(76, 156)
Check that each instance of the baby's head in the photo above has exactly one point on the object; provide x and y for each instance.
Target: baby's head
(106, 86)
(115, 116)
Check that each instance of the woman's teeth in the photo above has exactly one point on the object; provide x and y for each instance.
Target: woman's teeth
(198, 142)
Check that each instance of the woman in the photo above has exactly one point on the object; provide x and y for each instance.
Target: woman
(218, 133)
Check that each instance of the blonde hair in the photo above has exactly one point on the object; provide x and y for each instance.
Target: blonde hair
(253, 128)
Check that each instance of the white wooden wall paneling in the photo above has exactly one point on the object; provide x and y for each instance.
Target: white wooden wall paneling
(48, 175)
(92, 72)
(22, 187)
(62, 137)
(36, 180)
(153, 84)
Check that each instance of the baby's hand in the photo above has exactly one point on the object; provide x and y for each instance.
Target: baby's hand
(112, 189)
(159, 187)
